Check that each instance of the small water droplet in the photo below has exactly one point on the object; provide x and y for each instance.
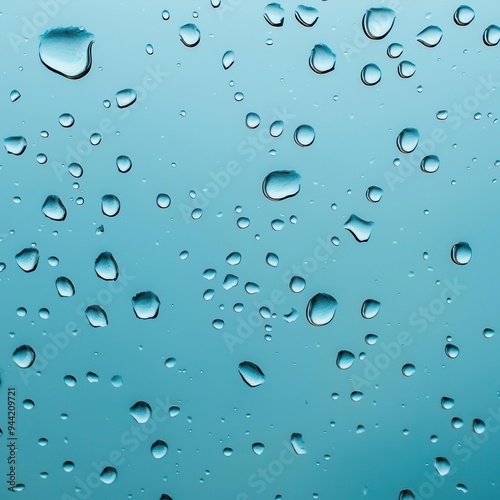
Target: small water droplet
(408, 369)
(258, 448)
(276, 128)
(96, 316)
(252, 120)
(110, 205)
(406, 495)
(461, 253)
(451, 350)
(123, 163)
(406, 69)
(374, 194)
(429, 164)
(370, 308)
(394, 50)
(478, 426)
(53, 208)
(297, 284)
(442, 466)
(272, 259)
(106, 267)
(281, 184)
(15, 95)
(228, 59)
(66, 120)
(108, 475)
(141, 412)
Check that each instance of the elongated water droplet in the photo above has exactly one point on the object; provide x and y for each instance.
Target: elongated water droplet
(304, 135)
(374, 194)
(321, 309)
(430, 36)
(24, 356)
(429, 164)
(298, 445)
(461, 253)
(146, 305)
(96, 316)
(442, 466)
(371, 74)
(110, 205)
(125, 97)
(281, 184)
(141, 412)
(274, 14)
(53, 208)
(15, 145)
(378, 21)
(491, 35)
(228, 59)
(407, 140)
(406, 69)
(345, 359)
(67, 51)
(106, 267)
(190, 35)
(361, 229)
(464, 15)
(159, 449)
(108, 475)
(251, 373)
(276, 128)
(370, 308)
(305, 15)
(27, 259)
(322, 60)
(65, 287)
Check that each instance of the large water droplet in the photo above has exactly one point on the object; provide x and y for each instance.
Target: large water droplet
(27, 259)
(298, 445)
(305, 15)
(345, 359)
(53, 208)
(190, 35)
(67, 51)
(370, 308)
(491, 35)
(464, 15)
(407, 140)
(461, 253)
(304, 135)
(96, 316)
(429, 164)
(159, 449)
(430, 36)
(146, 305)
(24, 356)
(251, 373)
(274, 14)
(281, 184)
(106, 267)
(65, 287)
(378, 21)
(361, 229)
(110, 205)
(228, 59)
(15, 145)
(371, 74)
(125, 97)
(108, 475)
(406, 69)
(442, 466)
(141, 412)
(322, 60)
(321, 309)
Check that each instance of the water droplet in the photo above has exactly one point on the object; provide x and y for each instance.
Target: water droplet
(297, 284)
(447, 403)
(125, 97)
(345, 359)
(108, 475)
(451, 350)
(251, 373)
(298, 445)
(478, 426)
(252, 120)
(305, 15)
(15, 145)
(123, 163)
(146, 305)
(170, 362)
(75, 169)
(141, 412)
(65, 287)
(461, 253)
(408, 369)
(430, 36)
(276, 128)
(67, 51)
(233, 259)
(370, 308)
(407, 140)
(321, 309)
(394, 50)
(281, 184)
(190, 35)
(159, 449)
(442, 466)
(491, 35)
(429, 164)
(106, 267)
(322, 60)
(27, 259)
(406, 495)
(272, 259)
(15, 95)
(66, 120)
(258, 448)
(53, 208)
(359, 228)
(406, 69)
(464, 15)
(371, 74)
(374, 194)
(110, 205)
(488, 333)
(228, 59)
(304, 135)
(24, 356)
(274, 14)
(378, 21)
(149, 49)
(96, 316)
(163, 200)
